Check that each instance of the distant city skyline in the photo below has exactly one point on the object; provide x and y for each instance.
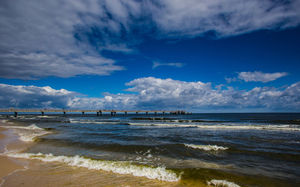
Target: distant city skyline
(199, 56)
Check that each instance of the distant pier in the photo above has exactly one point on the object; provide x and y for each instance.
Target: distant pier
(97, 112)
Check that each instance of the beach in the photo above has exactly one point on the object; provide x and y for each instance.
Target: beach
(190, 150)
(7, 165)
(24, 172)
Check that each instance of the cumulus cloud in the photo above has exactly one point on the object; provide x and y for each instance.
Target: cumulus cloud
(33, 97)
(258, 76)
(66, 38)
(172, 94)
(171, 64)
(155, 93)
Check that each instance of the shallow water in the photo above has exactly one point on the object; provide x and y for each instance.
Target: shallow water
(245, 149)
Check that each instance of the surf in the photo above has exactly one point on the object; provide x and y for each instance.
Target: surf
(120, 167)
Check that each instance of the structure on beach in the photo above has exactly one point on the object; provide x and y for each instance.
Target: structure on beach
(97, 112)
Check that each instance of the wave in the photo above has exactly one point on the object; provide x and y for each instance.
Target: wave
(28, 133)
(162, 119)
(215, 182)
(163, 124)
(154, 119)
(46, 116)
(30, 127)
(222, 126)
(3, 121)
(207, 147)
(120, 167)
(254, 127)
(94, 122)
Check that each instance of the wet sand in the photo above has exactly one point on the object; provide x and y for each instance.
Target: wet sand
(8, 166)
(23, 172)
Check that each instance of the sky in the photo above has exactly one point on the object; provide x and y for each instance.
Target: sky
(193, 55)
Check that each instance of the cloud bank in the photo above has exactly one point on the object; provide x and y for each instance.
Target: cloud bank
(66, 38)
(155, 93)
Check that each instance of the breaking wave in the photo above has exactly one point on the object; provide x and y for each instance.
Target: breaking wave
(94, 122)
(28, 133)
(120, 167)
(215, 182)
(222, 126)
(207, 147)
(46, 116)
(3, 121)
(163, 124)
(254, 127)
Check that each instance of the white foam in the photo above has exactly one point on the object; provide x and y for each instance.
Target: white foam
(46, 116)
(30, 127)
(94, 122)
(28, 133)
(163, 124)
(255, 127)
(119, 167)
(3, 121)
(215, 182)
(224, 127)
(207, 147)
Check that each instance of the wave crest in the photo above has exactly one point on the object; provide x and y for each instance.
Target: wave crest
(207, 147)
(163, 124)
(28, 133)
(225, 127)
(120, 167)
(94, 122)
(215, 182)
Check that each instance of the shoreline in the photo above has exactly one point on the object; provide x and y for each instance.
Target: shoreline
(28, 172)
(8, 165)
(34, 161)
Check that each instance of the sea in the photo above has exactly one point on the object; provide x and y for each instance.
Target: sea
(215, 149)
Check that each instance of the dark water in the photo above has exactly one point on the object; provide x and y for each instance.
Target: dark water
(247, 149)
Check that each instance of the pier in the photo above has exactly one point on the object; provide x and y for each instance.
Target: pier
(16, 112)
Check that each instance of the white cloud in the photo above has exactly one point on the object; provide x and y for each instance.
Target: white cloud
(65, 38)
(258, 76)
(33, 97)
(155, 93)
(226, 18)
(171, 64)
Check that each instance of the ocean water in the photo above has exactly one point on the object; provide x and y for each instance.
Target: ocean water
(214, 149)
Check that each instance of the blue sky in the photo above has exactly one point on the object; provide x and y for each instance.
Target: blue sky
(212, 56)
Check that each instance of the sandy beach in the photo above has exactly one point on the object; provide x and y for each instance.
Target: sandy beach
(23, 172)
(8, 166)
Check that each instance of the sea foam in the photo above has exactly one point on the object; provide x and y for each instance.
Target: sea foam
(224, 127)
(206, 147)
(28, 133)
(120, 167)
(163, 124)
(94, 122)
(254, 127)
(215, 182)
